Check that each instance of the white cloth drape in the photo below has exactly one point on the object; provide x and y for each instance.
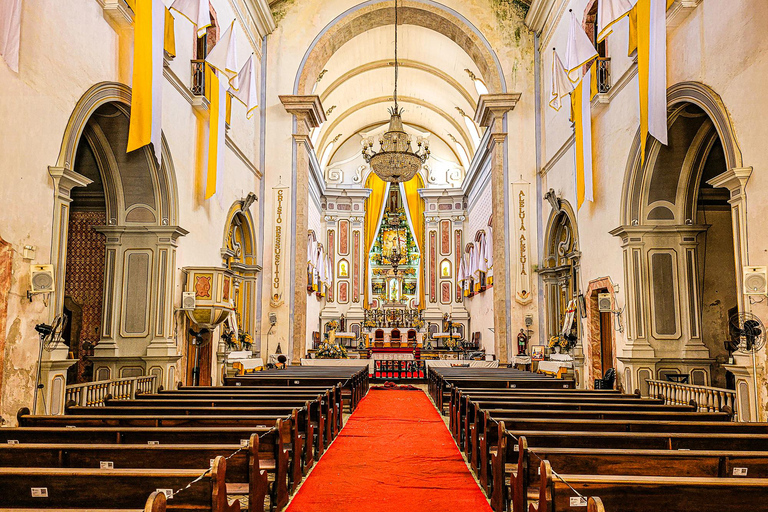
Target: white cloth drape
(561, 85)
(579, 50)
(489, 253)
(10, 32)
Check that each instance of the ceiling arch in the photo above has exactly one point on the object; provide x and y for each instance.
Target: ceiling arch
(376, 13)
(404, 63)
(357, 109)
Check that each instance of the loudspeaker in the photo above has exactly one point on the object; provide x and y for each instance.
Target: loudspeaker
(41, 278)
(604, 302)
(188, 301)
(755, 281)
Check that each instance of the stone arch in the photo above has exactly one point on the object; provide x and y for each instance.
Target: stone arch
(561, 264)
(710, 102)
(239, 254)
(376, 13)
(120, 94)
(141, 233)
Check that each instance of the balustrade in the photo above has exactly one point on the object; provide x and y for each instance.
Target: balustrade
(93, 394)
(706, 398)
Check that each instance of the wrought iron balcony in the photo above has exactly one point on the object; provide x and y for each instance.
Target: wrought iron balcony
(198, 77)
(603, 74)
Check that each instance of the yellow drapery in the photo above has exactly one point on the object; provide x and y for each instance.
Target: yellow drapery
(169, 38)
(373, 206)
(416, 209)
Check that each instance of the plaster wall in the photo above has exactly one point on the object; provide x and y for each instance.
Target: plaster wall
(66, 48)
(480, 306)
(723, 48)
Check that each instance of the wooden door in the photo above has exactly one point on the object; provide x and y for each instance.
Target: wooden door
(606, 342)
(205, 355)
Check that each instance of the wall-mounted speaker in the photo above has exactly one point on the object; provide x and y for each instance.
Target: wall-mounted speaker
(604, 303)
(188, 301)
(755, 281)
(41, 278)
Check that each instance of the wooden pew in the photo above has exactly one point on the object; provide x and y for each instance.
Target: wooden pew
(96, 489)
(597, 461)
(297, 445)
(508, 447)
(272, 451)
(322, 412)
(239, 392)
(244, 470)
(643, 493)
(478, 420)
(556, 496)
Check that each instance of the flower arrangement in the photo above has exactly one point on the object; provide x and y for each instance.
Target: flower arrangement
(332, 325)
(562, 342)
(451, 343)
(246, 340)
(331, 351)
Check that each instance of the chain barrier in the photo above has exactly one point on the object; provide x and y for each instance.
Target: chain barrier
(244, 447)
(554, 473)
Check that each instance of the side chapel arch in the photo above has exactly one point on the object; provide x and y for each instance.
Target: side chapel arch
(664, 236)
(141, 232)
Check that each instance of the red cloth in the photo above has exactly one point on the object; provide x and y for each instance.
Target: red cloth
(393, 455)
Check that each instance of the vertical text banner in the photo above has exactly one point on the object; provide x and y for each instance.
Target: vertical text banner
(520, 214)
(280, 200)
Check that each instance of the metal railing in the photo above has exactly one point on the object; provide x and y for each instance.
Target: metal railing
(603, 74)
(705, 398)
(198, 77)
(93, 394)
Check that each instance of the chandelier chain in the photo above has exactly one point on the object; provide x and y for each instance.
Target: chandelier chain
(396, 64)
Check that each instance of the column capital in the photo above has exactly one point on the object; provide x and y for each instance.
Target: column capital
(307, 109)
(735, 180)
(492, 107)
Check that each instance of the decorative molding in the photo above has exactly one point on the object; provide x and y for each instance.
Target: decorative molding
(494, 106)
(243, 158)
(558, 155)
(538, 14)
(117, 12)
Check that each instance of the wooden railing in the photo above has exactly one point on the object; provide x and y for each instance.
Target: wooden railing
(93, 394)
(705, 398)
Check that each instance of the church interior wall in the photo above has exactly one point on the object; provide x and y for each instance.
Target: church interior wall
(480, 306)
(704, 48)
(74, 43)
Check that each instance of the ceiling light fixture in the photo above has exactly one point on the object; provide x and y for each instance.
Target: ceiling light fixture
(395, 161)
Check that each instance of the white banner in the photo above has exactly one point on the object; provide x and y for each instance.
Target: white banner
(280, 200)
(520, 202)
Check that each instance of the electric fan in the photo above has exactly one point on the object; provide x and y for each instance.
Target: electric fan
(50, 337)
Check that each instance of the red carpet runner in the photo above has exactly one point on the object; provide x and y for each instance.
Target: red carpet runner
(393, 455)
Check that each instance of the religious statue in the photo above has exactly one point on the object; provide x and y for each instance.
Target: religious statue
(522, 343)
(343, 323)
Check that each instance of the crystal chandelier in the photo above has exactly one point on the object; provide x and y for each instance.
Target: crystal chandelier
(395, 161)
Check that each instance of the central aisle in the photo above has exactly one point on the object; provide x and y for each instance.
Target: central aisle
(395, 454)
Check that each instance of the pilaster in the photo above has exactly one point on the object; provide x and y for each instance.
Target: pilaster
(308, 113)
(491, 113)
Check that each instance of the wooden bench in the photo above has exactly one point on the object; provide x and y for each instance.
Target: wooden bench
(118, 489)
(644, 493)
(295, 443)
(597, 461)
(244, 472)
(309, 419)
(269, 450)
(507, 449)
(322, 413)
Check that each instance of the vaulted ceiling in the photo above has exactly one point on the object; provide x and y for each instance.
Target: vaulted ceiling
(435, 87)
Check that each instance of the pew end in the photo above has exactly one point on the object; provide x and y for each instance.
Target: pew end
(156, 502)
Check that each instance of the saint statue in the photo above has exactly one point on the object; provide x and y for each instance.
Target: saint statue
(522, 343)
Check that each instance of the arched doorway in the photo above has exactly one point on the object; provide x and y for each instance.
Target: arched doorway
(682, 239)
(115, 223)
